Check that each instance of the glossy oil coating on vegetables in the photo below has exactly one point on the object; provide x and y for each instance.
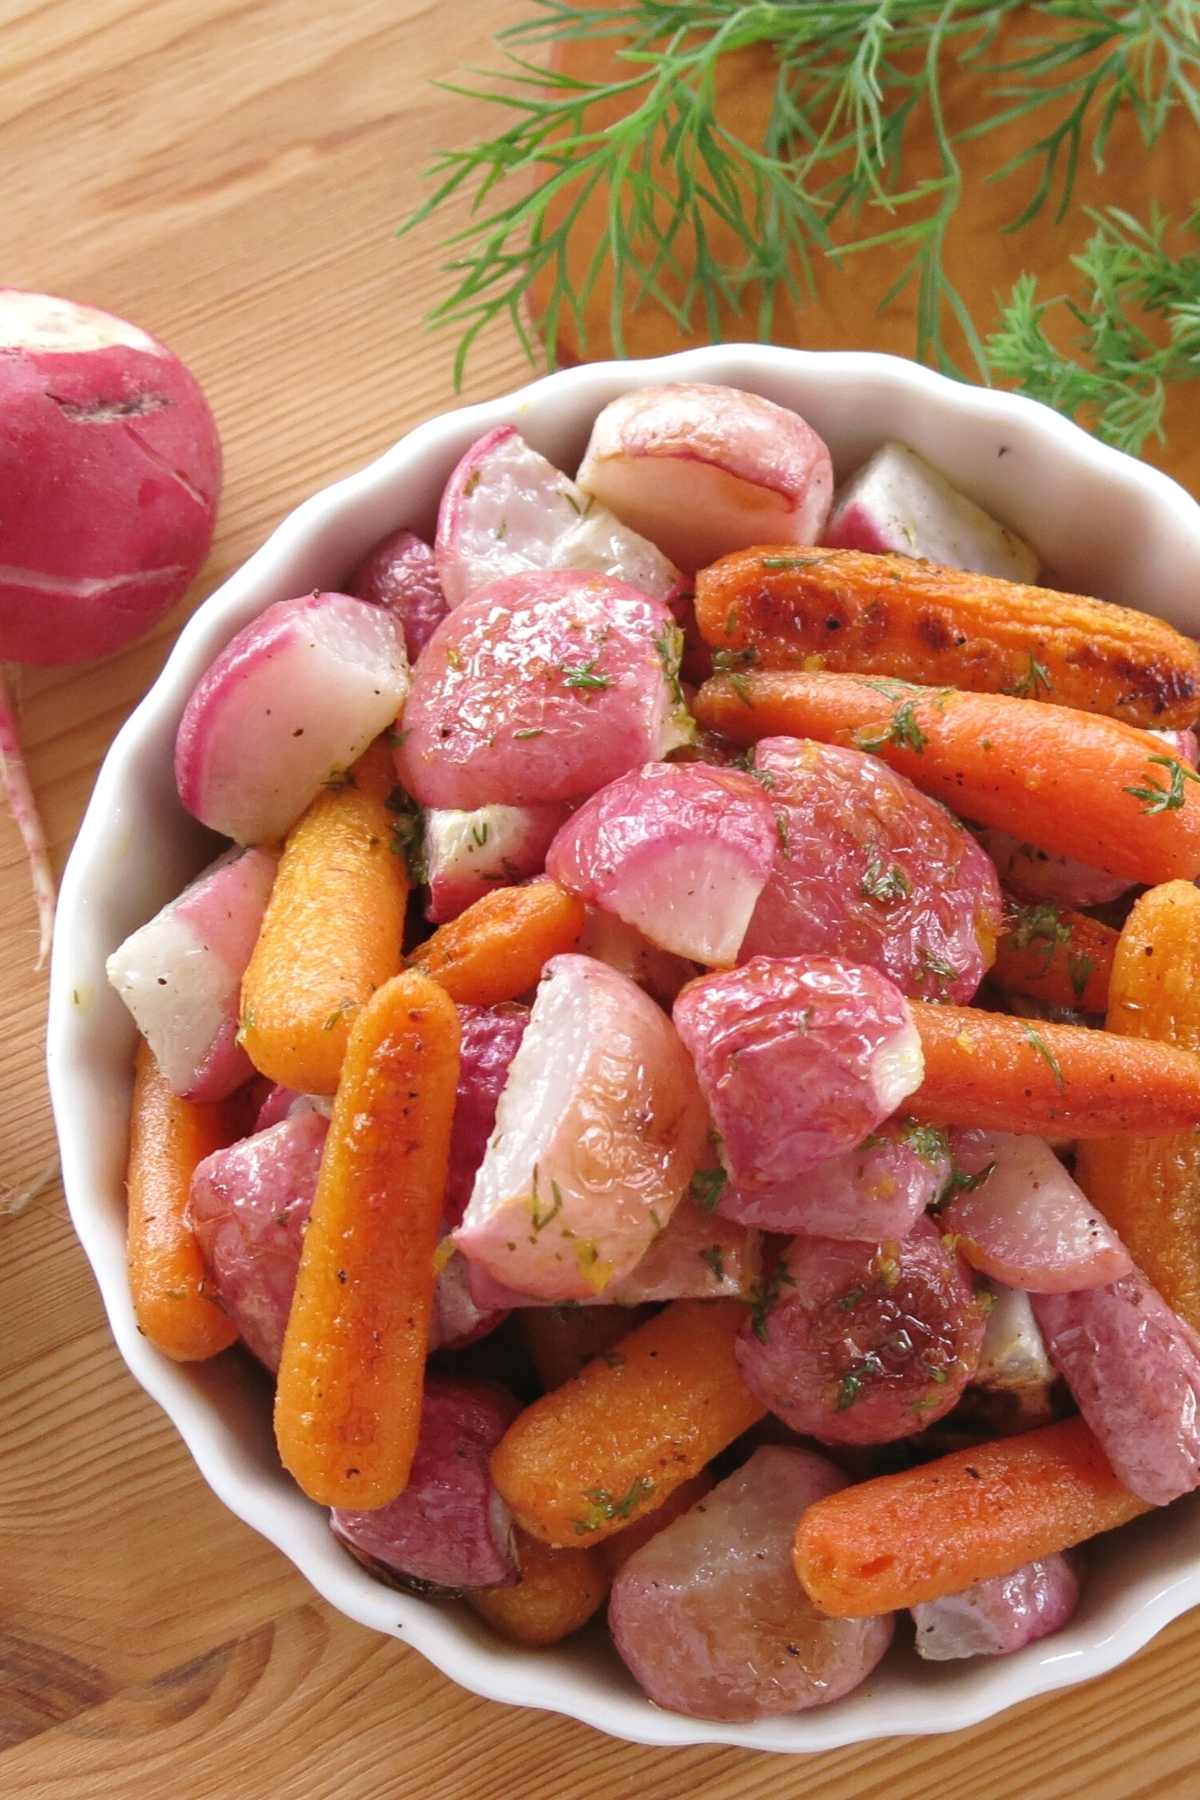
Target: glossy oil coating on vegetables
(1003, 1614)
(875, 1191)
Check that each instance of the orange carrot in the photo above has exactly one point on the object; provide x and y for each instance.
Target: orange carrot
(497, 948)
(1082, 786)
(167, 1138)
(348, 1400)
(333, 931)
(561, 1339)
(938, 1528)
(559, 1590)
(853, 612)
(616, 1551)
(1009, 1074)
(1149, 1188)
(1049, 953)
(585, 1460)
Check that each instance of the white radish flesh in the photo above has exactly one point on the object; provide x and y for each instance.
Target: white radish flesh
(467, 854)
(610, 940)
(996, 1617)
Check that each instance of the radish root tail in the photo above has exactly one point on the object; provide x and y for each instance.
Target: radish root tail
(23, 806)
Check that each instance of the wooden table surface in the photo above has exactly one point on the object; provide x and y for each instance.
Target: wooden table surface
(227, 172)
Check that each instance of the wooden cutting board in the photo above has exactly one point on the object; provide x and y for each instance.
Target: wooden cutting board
(229, 174)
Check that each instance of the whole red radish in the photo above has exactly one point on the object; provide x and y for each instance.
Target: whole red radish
(110, 470)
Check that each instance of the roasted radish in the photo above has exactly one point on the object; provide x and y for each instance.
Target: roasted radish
(1001, 1615)
(401, 574)
(467, 854)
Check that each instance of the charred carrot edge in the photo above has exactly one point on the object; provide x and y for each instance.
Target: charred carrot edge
(167, 1138)
(1050, 953)
(332, 933)
(561, 1340)
(616, 1551)
(584, 1461)
(934, 1530)
(1149, 1188)
(497, 948)
(853, 612)
(1071, 782)
(558, 1592)
(351, 1376)
(1007, 1074)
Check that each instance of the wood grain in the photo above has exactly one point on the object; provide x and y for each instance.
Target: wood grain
(227, 172)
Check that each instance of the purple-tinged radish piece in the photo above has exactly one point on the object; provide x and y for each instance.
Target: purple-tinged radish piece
(610, 940)
(1015, 1377)
(507, 511)
(1035, 874)
(897, 501)
(449, 1530)
(876, 1191)
(468, 854)
(489, 1038)
(249, 1205)
(869, 868)
(697, 1256)
(598, 1133)
(181, 973)
(709, 1617)
(285, 1103)
(996, 1617)
(864, 1343)
(458, 1319)
(1021, 1218)
(799, 1059)
(1133, 1367)
(680, 851)
(401, 574)
(1183, 744)
(703, 470)
(542, 688)
(289, 703)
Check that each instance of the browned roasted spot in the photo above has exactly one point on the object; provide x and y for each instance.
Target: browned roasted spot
(1155, 684)
(933, 630)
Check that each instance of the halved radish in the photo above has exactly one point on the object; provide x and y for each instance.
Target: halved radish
(180, 974)
(1023, 1220)
(1183, 744)
(467, 854)
(610, 940)
(799, 1059)
(897, 501)
(681, 851)
(506, 510)
(287, 706)
(878, 1190)
(598, 1132)
(401, 574)
(542, 688)
(702, 470)
(996, 1617)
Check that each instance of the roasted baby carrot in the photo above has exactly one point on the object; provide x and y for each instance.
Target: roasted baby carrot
(332, 932)
(1007, 1074)
(936, 1529)
(611, 1444)
(852, 612)
(1050, 953)
(559, 1590)
(348, 1400)
(1072, 782)
(1149, 1188)
(167, 1138)
(616, 1551)
(500, 945)
(562, 1339)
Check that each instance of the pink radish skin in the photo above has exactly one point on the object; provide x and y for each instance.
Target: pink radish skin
(401, 574)
(1133, 1367)
(610, 940)
(698, 1256)
(598, 1132)
(679, 851)
(899, 502)
(1028, 1223)
(539, 689)
(1023, 867)
(449, 1530)
(468, 854)
(285, 1103)
(870, 869)
(181, 973)
(507, 511)
(798, 1059)
(996, 1617)
(110, 467)
(1183, 744)
(709, 1617)
(876, 1191)
(489, 1038)
(288, 705)
(703, 470)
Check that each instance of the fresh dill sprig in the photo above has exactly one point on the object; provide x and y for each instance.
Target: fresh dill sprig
(856, 82)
